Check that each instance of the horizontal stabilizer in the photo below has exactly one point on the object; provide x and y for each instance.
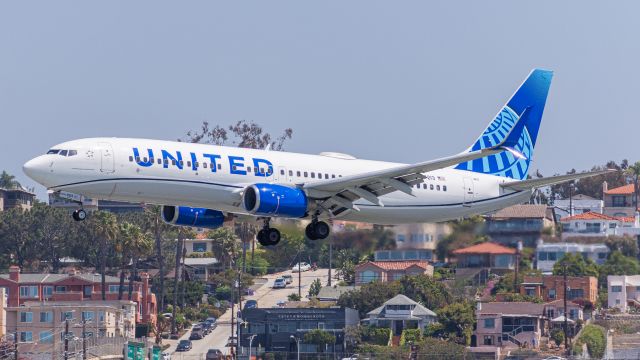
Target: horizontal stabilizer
(553, 180)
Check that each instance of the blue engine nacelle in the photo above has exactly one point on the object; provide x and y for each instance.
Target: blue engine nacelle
(274, 200)
(195, 217)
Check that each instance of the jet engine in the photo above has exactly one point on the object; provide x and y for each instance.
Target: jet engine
(274, 200)
(195, 217)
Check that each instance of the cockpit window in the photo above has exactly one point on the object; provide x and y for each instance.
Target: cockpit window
(72, 153)
(63, 153)
(53, 151)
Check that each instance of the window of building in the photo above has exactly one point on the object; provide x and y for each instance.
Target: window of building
(618, 201)
(554, 256)
(101, 316)
(602, 255)
(47, 291)
(488, 340)
(551, 313)
(552, 293)
(616, 288)
(575, 294)
(29, 291)
(61, 289)
(87, 315)
(489, 323)
(26, 317)
(46, 337)
(66, 315)
(199, 247)
(46, 316)
(26, 336)
(368, 276)
(400, 238)
(130, 158)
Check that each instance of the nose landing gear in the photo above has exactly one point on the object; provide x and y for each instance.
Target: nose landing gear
(268, 236)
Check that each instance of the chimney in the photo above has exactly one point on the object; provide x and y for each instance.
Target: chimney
(72, 272)
(605, 188)
(14, 273)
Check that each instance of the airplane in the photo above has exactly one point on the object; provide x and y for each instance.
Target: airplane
(204, 185)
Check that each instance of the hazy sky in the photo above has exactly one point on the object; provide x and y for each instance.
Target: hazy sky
(400, 81)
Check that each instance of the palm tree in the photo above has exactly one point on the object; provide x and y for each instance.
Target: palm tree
(634, 171)
(123, 246)
(105, 229)
(8, 181)
(151, 223)
(141, 245)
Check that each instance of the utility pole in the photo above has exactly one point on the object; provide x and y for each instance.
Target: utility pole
(244, 231)
(84, 339)
(300, 271)
(566, 337)
(66, 339)
(330, 253)
(177, 274)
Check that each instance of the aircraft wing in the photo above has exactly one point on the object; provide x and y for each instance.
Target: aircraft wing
(537, 183)
(340, 193)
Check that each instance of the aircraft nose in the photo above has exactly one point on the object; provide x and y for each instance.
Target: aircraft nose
(36, 169)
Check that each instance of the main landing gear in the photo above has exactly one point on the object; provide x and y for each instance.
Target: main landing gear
(317, 230)
(268, 236)
(79, 215)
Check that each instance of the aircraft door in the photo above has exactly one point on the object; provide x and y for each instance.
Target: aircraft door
(107, 158)
(468, 191)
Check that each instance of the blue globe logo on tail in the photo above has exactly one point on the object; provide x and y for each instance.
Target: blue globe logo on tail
(531, 95)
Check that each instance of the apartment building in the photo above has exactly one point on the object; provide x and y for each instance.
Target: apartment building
(624, 292)
(620, 201)
(548, 254)
(551, 287)
(17, 198)
(73, 288)
(40, 326)
(520, 223)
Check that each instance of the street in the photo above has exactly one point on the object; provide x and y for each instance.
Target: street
(266, 297)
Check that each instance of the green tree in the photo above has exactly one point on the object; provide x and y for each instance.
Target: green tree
(16, 238)
(314, 288)
(425, 290)
(618, 264)
(225, 245)
(8, 181)
(55, 234)
(457, 321)
(320, 338)
(293, 297)
(627, 245)
(558, 336)
(634, 172)
(576, 266)
(369, 296)
(104, 228)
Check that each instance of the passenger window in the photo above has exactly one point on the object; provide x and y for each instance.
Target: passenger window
(73, 152)
(159, 161)
(204, 165)
(339, 175)
(63, 152)
(130, 158)
(326, 176)
(137, 158)
(298, 173)
(444, 187)
(181, 163)
(438, 187)
(424, 186)
(248, 169)
(143, 159)
(333, 176)
(431, 186)
(306, 174)
(290, 172)
(313, 175)
(188, 163)
(196, 164)
(166, 161)
(281, 172)
(219, 166)
(234, 168)
(173, 162)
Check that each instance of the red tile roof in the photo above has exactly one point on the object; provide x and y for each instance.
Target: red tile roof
(397, 265)
(622, 190)
(485, 248)
(589, 216)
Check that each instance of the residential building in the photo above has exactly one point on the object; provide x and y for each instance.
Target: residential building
(551, 287)
(399, 313)
(509, 323)
(485, 255)
(423, 236)
(619, 202)
(202, 267)
(624, 292)
(579, 204)
(555, 315)
(74, 287)
(283, 329)
(199, 245)
(385, 271)
(548, 254)
(40, 325)
(17, 198)
(520, 223)
(592, 224)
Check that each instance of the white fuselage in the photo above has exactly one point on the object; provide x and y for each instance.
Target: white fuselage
(106, 168)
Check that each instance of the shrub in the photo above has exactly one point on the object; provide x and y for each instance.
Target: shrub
(376, 336)
(383, 352)
(410, 336)
(320, 338)
(595, 338)
(431, 348)
(558, 336)
(223, 293)
(293, 297)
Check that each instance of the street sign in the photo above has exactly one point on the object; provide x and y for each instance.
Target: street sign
(136, 351)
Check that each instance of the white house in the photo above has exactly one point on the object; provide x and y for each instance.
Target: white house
(548, 254)
(624, 291)
(596, 224)
(401, 313)
(579, 204)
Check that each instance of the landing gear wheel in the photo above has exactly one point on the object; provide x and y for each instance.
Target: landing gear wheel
(273, 236)
(317, 230)
(79, 215)
(262, 238)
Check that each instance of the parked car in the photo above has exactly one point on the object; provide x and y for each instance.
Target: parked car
(279, 283)
(197, 333)
(212, 322)
(250, 304)
(206, 327)
(184, 345)
(302, 267)
(214, 354)
(288, 279)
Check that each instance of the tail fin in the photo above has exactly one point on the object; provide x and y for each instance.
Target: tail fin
(530, 98)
